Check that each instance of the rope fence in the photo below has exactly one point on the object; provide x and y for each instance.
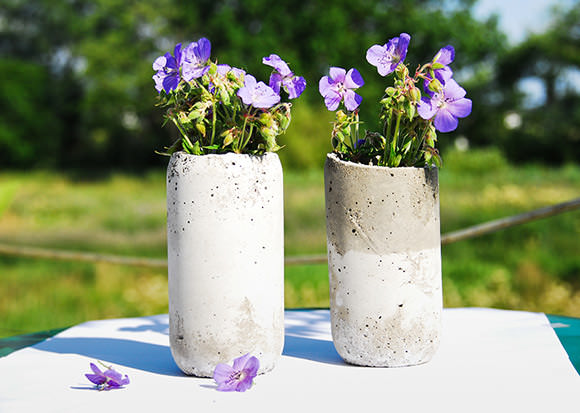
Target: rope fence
(455, 236)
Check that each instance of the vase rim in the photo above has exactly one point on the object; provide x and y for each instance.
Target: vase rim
(335, 158)
(226, 154)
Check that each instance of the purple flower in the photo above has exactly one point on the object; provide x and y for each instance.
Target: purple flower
(444, 56)
(239, 377)
(167, 67)
(257, 94)
(195, 58)
(387, 57)
(110, 379)
(340, 85)
(446, 106)
(283, 76)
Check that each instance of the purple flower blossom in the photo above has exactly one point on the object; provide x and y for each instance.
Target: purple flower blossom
(195, 58)
(340, 85)
(444, 56)
(257, 94)
(109, 379)
(387, 57)
(446, 106)
(282, 76)
(167, 67)
(239, 377)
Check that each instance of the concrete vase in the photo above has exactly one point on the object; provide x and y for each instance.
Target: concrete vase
(384, 259)
(225, 259)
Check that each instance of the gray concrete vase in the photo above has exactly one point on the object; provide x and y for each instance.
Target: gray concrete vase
(384, 262)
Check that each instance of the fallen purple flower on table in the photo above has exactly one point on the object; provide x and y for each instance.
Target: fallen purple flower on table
(386, 58)
(283, 77)
(340, 85)
(257, 94)
(446, 106)
(109, 379)
(239, 377)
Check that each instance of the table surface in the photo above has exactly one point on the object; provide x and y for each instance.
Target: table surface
(488, 359)
(567, 329)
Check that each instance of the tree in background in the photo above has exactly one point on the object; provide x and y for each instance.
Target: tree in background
(547, 130)
(87, 99)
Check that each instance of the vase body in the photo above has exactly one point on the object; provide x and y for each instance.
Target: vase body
(225, 240)
(384, 261)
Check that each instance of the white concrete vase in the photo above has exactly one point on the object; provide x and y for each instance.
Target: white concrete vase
(225, 241)
(384, 261)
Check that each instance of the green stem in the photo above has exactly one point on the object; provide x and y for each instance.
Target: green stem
(355, 133)
(214, 119)
(181, 130)
(387, 133)
(242, 138)
(395, 137)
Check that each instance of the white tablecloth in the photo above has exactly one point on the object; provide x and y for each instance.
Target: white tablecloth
(489, 360)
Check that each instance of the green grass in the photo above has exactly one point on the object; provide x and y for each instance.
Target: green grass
(535, 266)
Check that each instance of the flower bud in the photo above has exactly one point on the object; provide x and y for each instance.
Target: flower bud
(415, 94)
(435, 86)
(402, 71)
(267, 119)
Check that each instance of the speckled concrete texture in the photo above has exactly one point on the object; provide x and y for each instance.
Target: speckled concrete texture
(225, 241)
(384, 258)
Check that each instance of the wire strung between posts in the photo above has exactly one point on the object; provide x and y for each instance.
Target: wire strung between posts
(455, 236)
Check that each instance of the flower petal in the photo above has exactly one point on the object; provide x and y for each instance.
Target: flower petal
(203, 50)
(96, 378)
(376, 54)
(332, 100)
(240, 362)
(353, 79)
(160, 63)
(445, 121)
(460, 108)
(222, 373)
(352, 100)
(453, 91)
(337, 74)
(402, 46)
(251, 367)
(170, 82)
(244, 384)
(444, 74)
(446, 55)
(325, 86)
(275, 81)
(177, 54)
(95, 369)
(264, 96)
(277, 63)
(294, 86)
(426, 109)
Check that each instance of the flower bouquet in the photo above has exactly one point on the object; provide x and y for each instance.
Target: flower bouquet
(410, 117)
(218, 108)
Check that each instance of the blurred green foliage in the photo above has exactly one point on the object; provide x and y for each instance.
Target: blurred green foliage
(77, 89)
